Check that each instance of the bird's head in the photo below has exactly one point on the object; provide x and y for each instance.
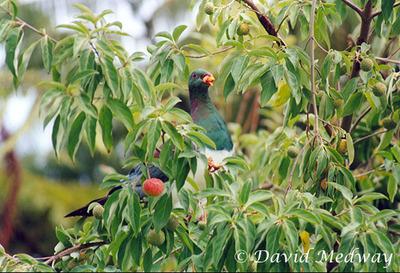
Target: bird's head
(200, 78)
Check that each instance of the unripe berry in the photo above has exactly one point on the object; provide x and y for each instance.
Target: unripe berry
(209, 8)
(342, 146)
(154, 238)
(173, 223)
(343, 70)
(98, 211)
(202, 225)
(153, 187)
(389, 124)
(243, 29)
(292, 151)
(366, 64)
(379, 89)
(337, 103)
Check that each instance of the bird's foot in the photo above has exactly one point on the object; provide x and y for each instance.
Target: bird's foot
(212, 165)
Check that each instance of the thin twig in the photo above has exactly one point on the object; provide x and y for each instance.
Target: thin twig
(25, 24)
(163, 257)
(354, 7)
(379, 12)
(387, 60)
(264, 20)
(359, 119)
(369, 136)
(295, 163)
(206, 55)
(73, 249)
(323, 49)
(313, 67)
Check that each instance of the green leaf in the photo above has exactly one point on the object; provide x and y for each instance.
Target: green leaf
(394, 181)
(245, 192)
(5, 25)
(75, 135)
(162, 212)
(387, 8)
(305, 215)
(152, 137)
(203, 138)
(386, 213)
(166, 86)
(24, 58)
(370, 196)
(350, 88)
(352, 104)
(176, 138)
(258, 196)
(47, 52)
(111, 74)
(239, 65)
(386, 138)
(13, 44)
(229, 86)
(134, 211)
(86, 106)
(350, 148)
(347, 194)
(105, 120)
(269, 88)
(178, 31)
(82, 75)
(91, 133)
(122, 112)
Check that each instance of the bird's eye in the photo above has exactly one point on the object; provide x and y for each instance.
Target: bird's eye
(194, 75)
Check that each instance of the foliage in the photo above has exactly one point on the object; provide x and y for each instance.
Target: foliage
(341, 201)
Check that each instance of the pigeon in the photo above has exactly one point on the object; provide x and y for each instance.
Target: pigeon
(204, 114)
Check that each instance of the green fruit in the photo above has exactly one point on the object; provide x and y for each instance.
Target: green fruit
(379, 89)
(252, 266)
(72, 264)
(366, 64)
(98, 211)
(154, 238)
(209, 8)
(292, 151)
(243, 29)
(337, 103)
(202, 225)
(173, 223)
(389, 124)
(343, 70)
(319, 93)
(342, 146)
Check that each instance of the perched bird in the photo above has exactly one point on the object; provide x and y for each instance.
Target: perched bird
(204, 114)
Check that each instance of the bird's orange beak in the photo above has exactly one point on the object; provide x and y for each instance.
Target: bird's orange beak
(208, 79)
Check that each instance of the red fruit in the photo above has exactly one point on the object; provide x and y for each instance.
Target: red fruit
(153, 187)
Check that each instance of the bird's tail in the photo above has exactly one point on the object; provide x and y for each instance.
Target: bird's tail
(83, 211)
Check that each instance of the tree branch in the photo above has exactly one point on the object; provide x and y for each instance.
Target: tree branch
(73, 249)
(387, 60)
(369, 136)
(359, 119)
(362, 38)
(205, 55)
(264, 20)
(25, 24)
(379, 12)
(313, 67)
(354, 7)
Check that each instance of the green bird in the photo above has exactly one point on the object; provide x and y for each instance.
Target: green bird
(204, 114)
